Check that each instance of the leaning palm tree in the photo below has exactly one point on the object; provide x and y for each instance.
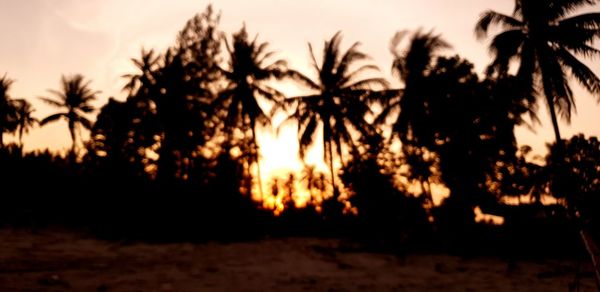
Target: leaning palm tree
(546, 39)
(73, 99)
(25, 121)
(7, 109)
(250, 69)
(339, 104)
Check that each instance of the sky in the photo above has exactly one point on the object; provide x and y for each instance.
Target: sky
(43, 39)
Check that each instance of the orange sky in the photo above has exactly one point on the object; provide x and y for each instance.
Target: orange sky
(43, 39)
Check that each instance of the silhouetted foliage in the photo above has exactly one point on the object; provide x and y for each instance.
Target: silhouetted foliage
(120, 138)
(413, 65)
(250, 68)
(546, 39)
(581, 184)
(521, 177)
(385, 213)
(175, 159)
(8, 113)
(339, 105)
(73, 99)
(25, 121)
(315, 182)
(466, 123)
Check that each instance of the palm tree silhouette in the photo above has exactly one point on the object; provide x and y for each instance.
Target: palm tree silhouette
(250, 68)
(73, 100)
(546, 39)
(142, 82)
(339, 104)
(314, 181)
(412, 65)
(24, 119)
(7, 109)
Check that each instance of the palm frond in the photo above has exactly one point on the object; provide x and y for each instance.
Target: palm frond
(557, 86)
(560, 8)
(307, 135)
(85, 122)
(313, 58)
(345, 81)
(581, 72)
(489, 18)
(352, 55)
(302, 79)
(505, 47)
(368, 83)
(51, 102)
(52, 118)
(587, 21)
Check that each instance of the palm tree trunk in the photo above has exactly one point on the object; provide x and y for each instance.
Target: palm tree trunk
(552, 111)
(257, 160)
(21, 137)
(331, 168)
(73, 136)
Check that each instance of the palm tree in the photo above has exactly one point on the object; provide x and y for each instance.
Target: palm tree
(338, 107)
(24, 119)
(249, 71)
(412, 66)
(314, 182)
(7, 109)
(74, 102)
(546, 39)
(144, 80)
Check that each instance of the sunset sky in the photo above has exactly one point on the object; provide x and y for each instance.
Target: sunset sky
(42, 39)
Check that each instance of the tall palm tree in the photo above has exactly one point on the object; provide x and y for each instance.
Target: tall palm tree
(73, 99)
(25, 120)
(547, 39)
(7, 109)
(412, 66)
(339, 105)
(249, 71)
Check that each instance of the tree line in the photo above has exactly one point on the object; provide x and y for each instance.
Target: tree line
(186, 133)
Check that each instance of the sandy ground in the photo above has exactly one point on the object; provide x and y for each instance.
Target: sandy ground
(61, 261)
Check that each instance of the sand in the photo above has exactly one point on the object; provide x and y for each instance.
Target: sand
(66, 261)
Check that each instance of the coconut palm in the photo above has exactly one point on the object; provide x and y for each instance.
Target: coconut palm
(73, 99)
(339, 105)
(249, 71)
(546, 39)
(7, 109)
(25, 120)
(412, 66)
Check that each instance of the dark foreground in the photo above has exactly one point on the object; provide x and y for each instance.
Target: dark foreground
(66, 261)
